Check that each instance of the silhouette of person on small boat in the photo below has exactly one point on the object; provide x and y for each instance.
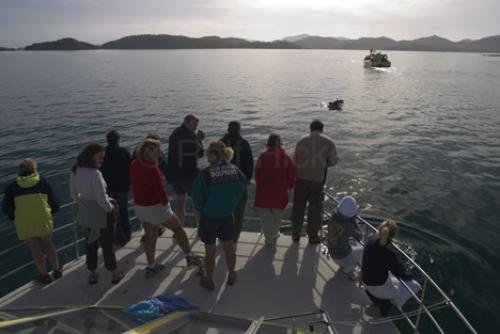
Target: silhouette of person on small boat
(336, 105)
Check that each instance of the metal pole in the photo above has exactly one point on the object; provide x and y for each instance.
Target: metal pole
(417, 322)
(75, 233)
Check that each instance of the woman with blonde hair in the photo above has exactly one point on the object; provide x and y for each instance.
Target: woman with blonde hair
(382, 272)
(216, 191)
(152, 206)
(30, 202)
(96, 210)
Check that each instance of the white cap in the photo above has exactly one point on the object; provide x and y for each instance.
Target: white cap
(348, 207)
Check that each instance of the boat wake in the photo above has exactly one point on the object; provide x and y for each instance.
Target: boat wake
(385, 69)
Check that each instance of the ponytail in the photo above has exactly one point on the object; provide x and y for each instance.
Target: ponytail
(387, 231)
(228, 153)
(219, 151)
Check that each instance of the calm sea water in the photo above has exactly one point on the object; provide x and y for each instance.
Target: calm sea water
(419, 142)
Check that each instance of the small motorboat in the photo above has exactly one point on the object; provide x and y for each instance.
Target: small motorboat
(336, 105)
(377, 59)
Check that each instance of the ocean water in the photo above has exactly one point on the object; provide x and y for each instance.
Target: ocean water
(419, 142)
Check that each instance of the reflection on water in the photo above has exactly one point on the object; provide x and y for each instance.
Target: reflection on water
(418, 142)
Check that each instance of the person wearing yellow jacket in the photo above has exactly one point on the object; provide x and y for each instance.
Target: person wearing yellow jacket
(30, 202)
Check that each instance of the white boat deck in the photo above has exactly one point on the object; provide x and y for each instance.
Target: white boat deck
(289, 279)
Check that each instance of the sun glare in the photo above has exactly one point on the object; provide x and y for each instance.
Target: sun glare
(361, 6)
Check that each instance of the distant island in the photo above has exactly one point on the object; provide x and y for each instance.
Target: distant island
(162, 42)
(431, 43)
(183, 42)
(6, 49)
(62, 44)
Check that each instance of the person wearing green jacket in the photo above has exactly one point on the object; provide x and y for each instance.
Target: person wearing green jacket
(30, 202)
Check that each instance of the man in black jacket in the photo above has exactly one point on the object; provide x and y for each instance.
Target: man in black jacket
(115, 170)
(242, 158)
(184, 150)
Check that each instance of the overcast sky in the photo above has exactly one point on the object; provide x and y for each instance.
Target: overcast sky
(23, 22)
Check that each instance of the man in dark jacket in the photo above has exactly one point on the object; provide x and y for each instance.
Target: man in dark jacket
(243, 159)
(184, 150)
(115, 170)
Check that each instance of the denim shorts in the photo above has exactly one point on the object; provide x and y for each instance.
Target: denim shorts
(182, 187)
(211, 229)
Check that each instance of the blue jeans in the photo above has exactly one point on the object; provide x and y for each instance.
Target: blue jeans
(123, 232)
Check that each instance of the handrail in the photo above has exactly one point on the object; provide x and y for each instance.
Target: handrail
(74, 243)
(420, 270)
(10, 228)
(32, 262)
(447, 300)
(422, 306)
(419, 313)
(324, 315)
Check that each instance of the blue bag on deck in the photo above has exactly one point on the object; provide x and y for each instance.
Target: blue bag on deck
(156, 307)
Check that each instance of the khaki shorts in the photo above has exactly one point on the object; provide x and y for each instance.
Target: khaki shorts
(153, 214)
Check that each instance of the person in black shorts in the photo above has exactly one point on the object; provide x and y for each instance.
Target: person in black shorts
(184, 149)
(215, 193)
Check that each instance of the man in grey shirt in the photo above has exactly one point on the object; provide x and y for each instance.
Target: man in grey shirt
(314, 154)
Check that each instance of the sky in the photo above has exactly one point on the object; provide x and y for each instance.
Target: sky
(23, 22)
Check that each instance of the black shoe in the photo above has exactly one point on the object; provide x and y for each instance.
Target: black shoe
(93, 278)
(384, 305)
(194, 260)
(151, 271)
(373, 299)
(117, 278)
(57, 273)
(44, 279)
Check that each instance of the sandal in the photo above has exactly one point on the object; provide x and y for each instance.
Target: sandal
(117, 278)
(206, 283)
(93, 278)
(44, 279)
(57, 273)
(151, 271)
(231, 278)
(194, 260)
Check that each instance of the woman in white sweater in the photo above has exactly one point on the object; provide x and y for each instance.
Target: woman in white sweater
(96, 210)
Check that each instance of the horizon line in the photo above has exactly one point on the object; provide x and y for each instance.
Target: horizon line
(255, 40)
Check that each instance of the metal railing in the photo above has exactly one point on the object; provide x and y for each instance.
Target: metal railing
(422, 308)
(427, 280)
(321, 318)
(75, 243)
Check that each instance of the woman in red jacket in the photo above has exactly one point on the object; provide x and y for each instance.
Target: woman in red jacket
(274, 176)
(152, 207)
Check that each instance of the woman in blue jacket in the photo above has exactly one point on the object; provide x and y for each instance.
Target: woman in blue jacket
(30, 202)
(216, 191)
